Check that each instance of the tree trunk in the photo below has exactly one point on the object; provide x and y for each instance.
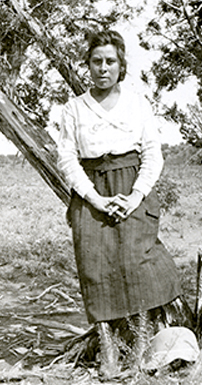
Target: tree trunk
(35, 144)
(33, 141)
(46, 43)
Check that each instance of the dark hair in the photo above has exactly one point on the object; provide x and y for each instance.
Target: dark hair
(109, 37)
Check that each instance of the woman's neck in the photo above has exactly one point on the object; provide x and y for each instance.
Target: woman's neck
(106, 97)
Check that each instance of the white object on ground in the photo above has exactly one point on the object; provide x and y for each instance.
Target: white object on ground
(169, 345)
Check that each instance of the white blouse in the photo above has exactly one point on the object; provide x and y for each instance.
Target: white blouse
(89, 131)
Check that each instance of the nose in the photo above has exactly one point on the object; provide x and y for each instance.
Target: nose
(103, 66)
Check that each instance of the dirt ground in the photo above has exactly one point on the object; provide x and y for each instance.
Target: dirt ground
(40, 299)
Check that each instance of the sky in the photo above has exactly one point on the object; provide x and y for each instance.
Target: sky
(137, 59)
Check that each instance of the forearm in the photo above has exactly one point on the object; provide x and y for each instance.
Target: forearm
(150, 169)
(68, 154)
(75, 175)
(139, 194)
(92, 196)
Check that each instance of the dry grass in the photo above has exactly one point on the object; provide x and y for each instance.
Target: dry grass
(36, 252)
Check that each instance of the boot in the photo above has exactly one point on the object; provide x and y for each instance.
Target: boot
(109, 352)
(140, 324)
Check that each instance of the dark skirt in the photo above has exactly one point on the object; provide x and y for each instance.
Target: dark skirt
(123, 267)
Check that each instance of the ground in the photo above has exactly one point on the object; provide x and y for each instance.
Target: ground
(40, 299)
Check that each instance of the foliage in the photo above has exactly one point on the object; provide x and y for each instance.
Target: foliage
(183, 153)
(178, 153)
(26, 75)
(191, 126)
(176, 33)
(167, 192)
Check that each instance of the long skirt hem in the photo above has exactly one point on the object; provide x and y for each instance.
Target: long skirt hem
(123, 267)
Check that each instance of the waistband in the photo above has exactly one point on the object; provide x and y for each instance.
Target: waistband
(110, 162)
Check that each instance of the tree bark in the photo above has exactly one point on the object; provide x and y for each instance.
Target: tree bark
(33, 141)
(35, 144)
(46, 43)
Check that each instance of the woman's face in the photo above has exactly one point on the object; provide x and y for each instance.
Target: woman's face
(104, 66)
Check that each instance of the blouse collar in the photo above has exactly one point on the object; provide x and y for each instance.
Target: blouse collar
(109, 116)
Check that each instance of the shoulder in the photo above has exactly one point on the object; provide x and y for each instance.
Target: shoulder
(74, 103)
(134, 99)
(76, 100)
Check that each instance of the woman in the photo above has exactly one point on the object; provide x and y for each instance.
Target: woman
(110, 152)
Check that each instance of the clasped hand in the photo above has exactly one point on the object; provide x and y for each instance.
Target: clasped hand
(119, 207)
(122, 206)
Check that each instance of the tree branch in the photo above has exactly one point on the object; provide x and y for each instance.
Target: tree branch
(175, 43)
(171, 5)
(35, 144)
(193, 29)
(48, 47)
(194, 14)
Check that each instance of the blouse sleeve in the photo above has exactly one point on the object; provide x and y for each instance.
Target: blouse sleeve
(68, 160)
(151, 156)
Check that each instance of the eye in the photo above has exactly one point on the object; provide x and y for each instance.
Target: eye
(111, 61)
(97, 61)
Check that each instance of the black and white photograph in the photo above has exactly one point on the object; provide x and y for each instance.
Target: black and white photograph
(101, 192)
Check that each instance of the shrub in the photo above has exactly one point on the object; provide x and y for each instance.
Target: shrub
(167, 192)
